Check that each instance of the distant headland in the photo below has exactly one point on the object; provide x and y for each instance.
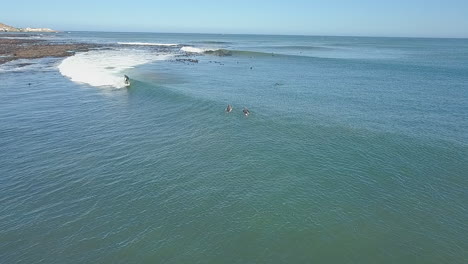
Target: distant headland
(7, 28)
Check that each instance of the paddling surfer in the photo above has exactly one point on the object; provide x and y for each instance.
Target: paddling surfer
(246, 111)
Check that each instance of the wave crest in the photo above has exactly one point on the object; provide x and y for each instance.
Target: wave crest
(216, 52)
(148, 44)
(105, 67)
(189, 49)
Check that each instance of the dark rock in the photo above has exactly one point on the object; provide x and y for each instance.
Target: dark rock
(33, 49)
(187, 60)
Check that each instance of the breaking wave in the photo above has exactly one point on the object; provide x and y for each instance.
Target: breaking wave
(216, 52)
(212, 42)
(224, 52)
(148, 44)
(189, 49)
(102, 68)
(296, 51)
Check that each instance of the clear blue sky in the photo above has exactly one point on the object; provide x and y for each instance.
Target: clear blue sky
(417, 18)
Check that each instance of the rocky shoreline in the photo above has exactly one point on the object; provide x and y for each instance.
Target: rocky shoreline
(23, 48)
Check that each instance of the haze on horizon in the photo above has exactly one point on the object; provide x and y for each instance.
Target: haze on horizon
(399, 18)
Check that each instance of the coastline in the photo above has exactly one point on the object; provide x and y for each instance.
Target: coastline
(12, 48)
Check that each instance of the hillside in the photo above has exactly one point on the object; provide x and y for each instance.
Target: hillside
(7, 28)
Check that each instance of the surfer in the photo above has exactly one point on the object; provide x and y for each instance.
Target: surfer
(229, 108)
(246, 111)
(126, 80)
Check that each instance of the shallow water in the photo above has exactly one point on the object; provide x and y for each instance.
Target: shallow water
(355, 151)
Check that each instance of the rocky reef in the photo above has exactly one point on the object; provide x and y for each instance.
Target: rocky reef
(12, 49)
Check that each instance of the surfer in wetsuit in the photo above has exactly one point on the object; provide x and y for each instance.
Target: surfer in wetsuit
(126, 80)
(246, 111)
(229, 108)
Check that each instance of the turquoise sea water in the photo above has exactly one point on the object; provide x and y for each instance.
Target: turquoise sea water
(356, 151)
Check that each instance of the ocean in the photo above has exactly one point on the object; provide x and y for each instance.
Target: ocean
(355, 150)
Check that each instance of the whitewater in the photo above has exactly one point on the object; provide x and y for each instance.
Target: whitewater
(105, 68)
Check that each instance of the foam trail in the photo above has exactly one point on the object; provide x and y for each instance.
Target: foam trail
(36, 65)
(105, 67)
(148, 44)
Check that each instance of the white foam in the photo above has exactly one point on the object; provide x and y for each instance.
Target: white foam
(32, 65)
(105, 67)
(195, 50)
(147, 44)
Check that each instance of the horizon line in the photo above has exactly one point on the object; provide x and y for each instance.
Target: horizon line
(263, 34)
